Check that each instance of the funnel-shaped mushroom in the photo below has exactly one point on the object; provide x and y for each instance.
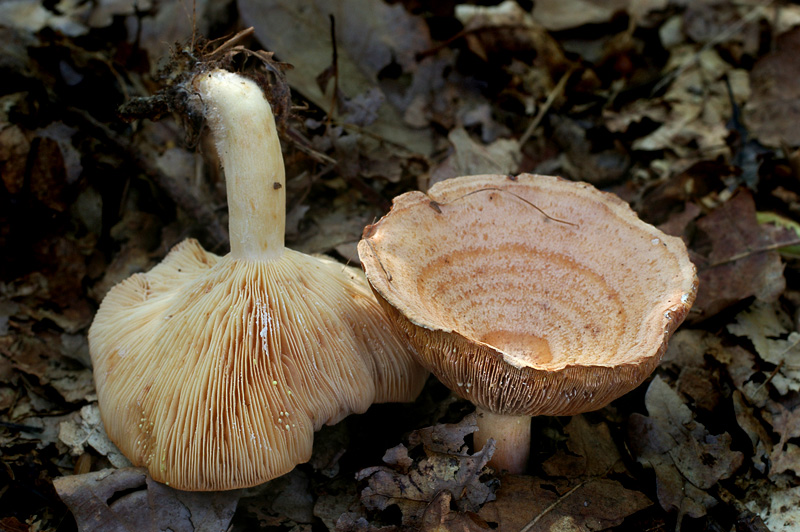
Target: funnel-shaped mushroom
(528, 295)
(214, 372)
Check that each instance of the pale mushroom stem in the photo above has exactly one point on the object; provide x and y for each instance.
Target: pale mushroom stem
(512, 435)
(244, 132)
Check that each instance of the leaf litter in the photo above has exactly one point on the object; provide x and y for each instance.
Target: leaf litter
(687, 111)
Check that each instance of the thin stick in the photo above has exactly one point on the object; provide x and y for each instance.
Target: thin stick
(555, 503)
(551, 98)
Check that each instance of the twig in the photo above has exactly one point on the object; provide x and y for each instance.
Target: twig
(557, 91)
(555, 503)
(745, 254)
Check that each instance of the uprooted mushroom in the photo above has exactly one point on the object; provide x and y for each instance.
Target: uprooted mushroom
(528, 295)
(214, 372)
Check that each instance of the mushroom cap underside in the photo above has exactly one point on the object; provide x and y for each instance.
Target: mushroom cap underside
(214, 372)
(529, 294)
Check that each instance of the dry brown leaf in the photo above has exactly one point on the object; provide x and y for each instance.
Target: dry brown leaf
(785, 455)
(370, 37)
(591, 452)
(773, 111)
(743, 261)
(540, 505)
(438, 517)
(687, 460)
(143, 504)
(507, 27)
(759, 438)
(472, 158)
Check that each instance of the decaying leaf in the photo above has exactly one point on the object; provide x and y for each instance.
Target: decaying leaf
(774, 109)
(472, 158)
(283, 500)
(143, 504)
(743, 261)
(445, 465)
(88, 430)
(768, 328)
(759, 438)
(544, 505)
(591, 452)
(507, 27)
(781, 513)
(301, 33)
(686, 458)
(785, 455)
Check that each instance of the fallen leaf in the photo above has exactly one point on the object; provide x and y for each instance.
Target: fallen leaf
(283, 500)
(782, 511)
(370, 37)
(143, 504)
(773, 110)
(438, 517)
(505, 28)
(446, 465)
(785, 455)
(768, 328)
(88, 429)
(542, 505)
(742, 262)
(759, 438)
(591, 452)
(472, 158)
(686, 458)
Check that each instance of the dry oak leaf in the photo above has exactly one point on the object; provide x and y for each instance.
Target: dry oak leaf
(143, 504)
(686, 458)
(446, 465)
(539, 505)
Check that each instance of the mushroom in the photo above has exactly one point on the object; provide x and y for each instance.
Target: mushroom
(528, 295)
(214, 372)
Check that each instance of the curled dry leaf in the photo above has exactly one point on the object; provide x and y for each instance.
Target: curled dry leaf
(142, 504)
(445, 465)
(686, 458)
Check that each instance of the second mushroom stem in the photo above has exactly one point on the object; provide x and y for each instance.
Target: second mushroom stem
(512, 434)
(246, 139)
